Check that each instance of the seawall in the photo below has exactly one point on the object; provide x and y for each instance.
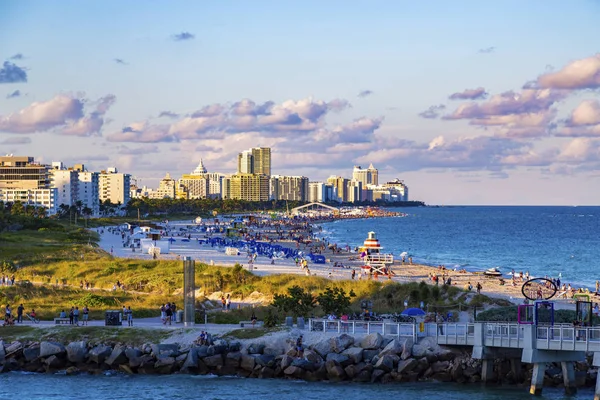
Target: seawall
(372, 358)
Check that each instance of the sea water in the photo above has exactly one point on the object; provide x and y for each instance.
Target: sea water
(546, 241)
(144, 387)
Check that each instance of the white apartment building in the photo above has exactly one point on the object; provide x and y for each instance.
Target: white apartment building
(114, 186)
(166, 189)
(87, 191)
(355, 191)
(294, 188)
(32, 197)
(66, 181)
(215, 183)
(321, 192)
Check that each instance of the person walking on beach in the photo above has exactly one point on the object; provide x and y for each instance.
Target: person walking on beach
(71, 315)
(86, 312)
(76, 316)
(129, 316)
(228, 302)
(353, 273)
(479, 287)
(20, 310)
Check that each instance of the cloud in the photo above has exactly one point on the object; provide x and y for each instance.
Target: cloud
(168, 114)
(12, 73)
(579, 74)
(139, 150)
(432, 112)
(14, 94)
(63, 113)
(365, 93)
(17, 140)
(178, 37)
(17, 56)
(216, 120)
(580, 150)
(584, 121)
(487, 50)
(120, 61)
(469, 94)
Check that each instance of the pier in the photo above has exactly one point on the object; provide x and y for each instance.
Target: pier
(521, 343)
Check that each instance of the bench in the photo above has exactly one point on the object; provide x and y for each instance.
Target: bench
(245, 324)
(59, 321)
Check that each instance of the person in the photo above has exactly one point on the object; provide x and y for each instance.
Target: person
(86, 312)
(439, 319)
(344, 319)
(168, 314)
(76, 316)
(71, 315)
(228, 302)
(253, 318)
(20, 310)
(129, 316)
(479, 287)
(299, 347)
(62, 314)
(353, 273)
(223, 302)
(163, 313)
(7, 313)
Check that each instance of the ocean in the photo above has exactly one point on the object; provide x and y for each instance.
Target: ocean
(546, 241)
(144, 387)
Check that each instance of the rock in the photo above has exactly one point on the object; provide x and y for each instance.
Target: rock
(191, 362)
(265, 360)
(418, 351)
(372, 341)
(351, 371)
(213, 361)
(48, 349)
(407, 349)
(431, 356)
(440, 366)
(164, 361)
(408, 365)
(181, 358)
(117, 356)
(202, 351)
(272, 351)
(323, 348)
(385, 363)
(247, 362)
(341, 359)
(99, 353)
(304, 364)
(217, 349)
(235, 346)
(72, 371)
(233, 359)
(442, 377)
(132, 352)
(31, 353)
(445, 355)
(256, 348)
(313, 357)
(364, 376)
(293, 371)
(376, 375)
(422, 365)
(355, 354)
(54, 362)
(144, 359)
(394, 347)
(266, 373)
(456, 372)
(165, 349)
(336, 373)
(368, 355)
(77, 352)
(13, 347)
(341, 343)
(125, 368)
(286, 361)
(2, 352)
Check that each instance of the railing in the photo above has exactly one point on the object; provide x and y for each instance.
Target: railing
(498, 334)
(453, 334)
(565, 337)
(365, 327)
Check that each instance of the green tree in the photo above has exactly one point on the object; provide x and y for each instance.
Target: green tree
(298, 302)
(335, 301)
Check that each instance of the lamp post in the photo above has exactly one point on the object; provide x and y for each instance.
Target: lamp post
(405, 304)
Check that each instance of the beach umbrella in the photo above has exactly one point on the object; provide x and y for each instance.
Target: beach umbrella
(404, 254)
(412, 312)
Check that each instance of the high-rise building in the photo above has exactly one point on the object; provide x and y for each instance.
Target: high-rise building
(340, 185)
(294, 188)
(248, 187)
(87, 189)
(261, 160)
(24, 180)
(166, 188)
(66, 181)
(398, 190)
(114, 186)
(369, 176)
(245, 162)
(374, 175)
(354, 191)
(320, 192)
(215, 184)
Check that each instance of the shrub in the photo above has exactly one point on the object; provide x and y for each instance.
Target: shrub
(95, 301)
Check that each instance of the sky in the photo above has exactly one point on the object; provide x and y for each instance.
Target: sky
(468, 102)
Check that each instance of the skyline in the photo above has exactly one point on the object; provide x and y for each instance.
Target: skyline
(470, 104)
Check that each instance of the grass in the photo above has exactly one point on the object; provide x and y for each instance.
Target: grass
(250, 333)
(91, 334)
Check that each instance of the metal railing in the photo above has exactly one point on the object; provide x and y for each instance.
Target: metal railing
(564, 337)
(364, 327)
(499, 334)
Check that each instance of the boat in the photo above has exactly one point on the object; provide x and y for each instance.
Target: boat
(492, 272)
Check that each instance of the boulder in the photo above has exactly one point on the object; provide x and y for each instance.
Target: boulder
(407, 349)
(213, 361)
(117, 356)
(293, 371)
(2, 352)
(125, 368)
(376, 375)
(233, 359)
(368, 355)
(355, 354)
(266, 373)
(445, 355)
(351, 371)
(313, 357)
(304, 364)
(341, 343)
(419, 351)
(13, 347)
(385, 363)
(341, 359)
(372, 341)
(393, 347)
(440, 366)
(77, 352)
(191, 361)
(272, 351)
(363, 376)
(256, 348)
(323, 348)
(247, 362)
(54, 362)
(422, 365)
(164, 361)
(235, 346)
(99, 353)
(286, 361)
(133, 352)
(336, 373)
(408, 365)
(48, 349)
(442, 377)
(217, 349)
(165, 349)
(202, 351)
(31, 353)
(265, 360)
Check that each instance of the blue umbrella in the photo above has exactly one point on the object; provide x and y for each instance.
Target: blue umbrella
(413, 312)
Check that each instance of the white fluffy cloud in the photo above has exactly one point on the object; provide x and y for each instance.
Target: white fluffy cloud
(579, 74)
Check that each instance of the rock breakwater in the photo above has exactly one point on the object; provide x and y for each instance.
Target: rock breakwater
(371, 358)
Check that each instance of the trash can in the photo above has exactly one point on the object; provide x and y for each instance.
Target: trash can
(179, 316)
(113, 318)
(300, 323)
(289, 321)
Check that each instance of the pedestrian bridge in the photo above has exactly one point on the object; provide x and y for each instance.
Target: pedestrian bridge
(536, 344)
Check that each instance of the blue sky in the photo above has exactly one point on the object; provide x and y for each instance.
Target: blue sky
(99, 74)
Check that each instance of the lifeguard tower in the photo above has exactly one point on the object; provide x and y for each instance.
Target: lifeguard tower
(374, 259)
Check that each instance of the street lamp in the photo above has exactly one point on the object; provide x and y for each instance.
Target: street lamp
(405, 303)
